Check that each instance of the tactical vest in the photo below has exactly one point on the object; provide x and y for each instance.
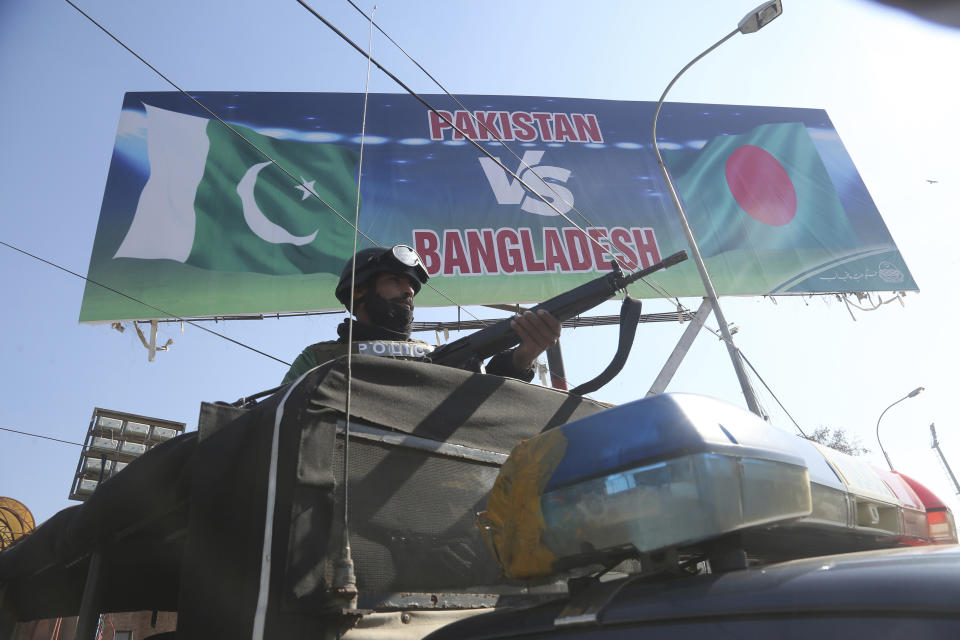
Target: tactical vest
(399, 349)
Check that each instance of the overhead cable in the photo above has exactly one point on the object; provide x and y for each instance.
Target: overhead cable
(650, 281)
(37, 435)
(460, 131)
(146, 304)
(248, 141)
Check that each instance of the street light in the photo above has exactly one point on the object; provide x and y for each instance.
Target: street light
(912, 394)
(753, 21)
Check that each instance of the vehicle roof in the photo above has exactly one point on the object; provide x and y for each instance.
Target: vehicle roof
(917, 581)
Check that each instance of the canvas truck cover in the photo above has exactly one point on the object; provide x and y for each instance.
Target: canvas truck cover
(183, 527)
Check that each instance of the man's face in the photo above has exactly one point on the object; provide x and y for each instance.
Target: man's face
(391, 287)
(396, 289)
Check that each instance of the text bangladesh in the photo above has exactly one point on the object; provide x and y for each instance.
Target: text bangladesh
(561, 250)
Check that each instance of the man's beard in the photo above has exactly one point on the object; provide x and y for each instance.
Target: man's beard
(389, 314)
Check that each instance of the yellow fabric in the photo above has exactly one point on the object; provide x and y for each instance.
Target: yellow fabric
(513, 522)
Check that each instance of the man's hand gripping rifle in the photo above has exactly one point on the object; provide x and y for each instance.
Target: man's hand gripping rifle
(492, 340)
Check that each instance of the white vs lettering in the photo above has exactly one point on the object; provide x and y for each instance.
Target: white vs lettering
(512, 192)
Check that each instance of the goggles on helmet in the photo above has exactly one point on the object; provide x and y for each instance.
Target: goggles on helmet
(406, 256)
(399, 259)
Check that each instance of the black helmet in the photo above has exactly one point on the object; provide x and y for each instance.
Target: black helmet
(399, 259)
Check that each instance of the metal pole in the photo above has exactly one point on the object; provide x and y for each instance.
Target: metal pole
(680, 350)
(943, 459)
(558, 377)
(738, 367)
(909, 395)
(89, 615)
(882, 450)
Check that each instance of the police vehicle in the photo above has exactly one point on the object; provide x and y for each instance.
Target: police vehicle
(483, 507)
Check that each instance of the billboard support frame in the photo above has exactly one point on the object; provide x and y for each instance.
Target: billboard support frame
(681, 348)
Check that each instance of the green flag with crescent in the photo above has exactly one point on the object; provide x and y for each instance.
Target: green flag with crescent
(215, 202)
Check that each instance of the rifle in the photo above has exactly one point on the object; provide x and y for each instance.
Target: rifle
(491, 340)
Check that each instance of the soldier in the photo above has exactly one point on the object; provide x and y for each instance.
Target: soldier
(386, 282)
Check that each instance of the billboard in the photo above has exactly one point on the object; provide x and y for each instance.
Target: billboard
(204, 219)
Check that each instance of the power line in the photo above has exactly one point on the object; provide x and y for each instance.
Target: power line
(767, 387)
(37, 435)
(354, 226)
(257, 148)
(146, 304)
(212, 114)
(650, 281)
(572, 323)
(473, 117)
(460, 131)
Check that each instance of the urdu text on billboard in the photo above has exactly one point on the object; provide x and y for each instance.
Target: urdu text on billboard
(203, 219)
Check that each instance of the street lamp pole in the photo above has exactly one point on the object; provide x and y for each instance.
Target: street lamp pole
(912, 394)
(753, 21)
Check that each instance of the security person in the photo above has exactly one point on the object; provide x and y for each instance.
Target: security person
(386, 281)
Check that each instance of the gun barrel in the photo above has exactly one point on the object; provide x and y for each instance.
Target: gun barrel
(499, 336)
(669, 261)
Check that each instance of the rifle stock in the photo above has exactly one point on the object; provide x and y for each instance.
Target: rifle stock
(491, 340)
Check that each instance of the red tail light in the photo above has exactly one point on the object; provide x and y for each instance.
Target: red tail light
(942, 527)
(940, 524)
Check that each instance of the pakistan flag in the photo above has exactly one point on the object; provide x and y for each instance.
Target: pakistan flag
(215, 202)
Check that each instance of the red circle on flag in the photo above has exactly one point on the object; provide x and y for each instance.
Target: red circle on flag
(760, 185)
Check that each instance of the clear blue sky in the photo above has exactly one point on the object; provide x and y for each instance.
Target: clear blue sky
(885, 78)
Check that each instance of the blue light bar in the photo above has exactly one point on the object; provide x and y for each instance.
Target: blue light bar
(669, 471)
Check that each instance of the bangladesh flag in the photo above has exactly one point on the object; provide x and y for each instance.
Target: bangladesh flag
(215, 202)
(763, 190)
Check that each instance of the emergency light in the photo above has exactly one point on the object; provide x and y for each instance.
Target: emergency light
(672, 470)
(678, 471)
(856, 507)
(941, 528)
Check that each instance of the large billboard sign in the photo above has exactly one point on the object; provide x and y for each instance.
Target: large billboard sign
(204, 219)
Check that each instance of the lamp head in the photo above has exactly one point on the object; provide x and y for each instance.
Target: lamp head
(761, 16)
(915, 392)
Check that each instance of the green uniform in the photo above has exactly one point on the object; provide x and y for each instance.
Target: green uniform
(316, 354)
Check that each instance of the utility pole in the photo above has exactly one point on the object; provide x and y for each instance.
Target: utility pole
(943, 459)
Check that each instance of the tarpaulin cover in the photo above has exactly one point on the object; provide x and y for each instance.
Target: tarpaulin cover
(183, 526)
(136, 521)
